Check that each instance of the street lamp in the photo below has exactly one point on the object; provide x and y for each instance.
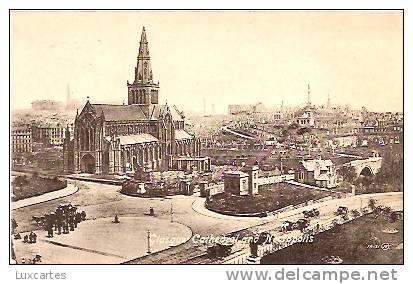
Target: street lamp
(149, 242)
(172, 213)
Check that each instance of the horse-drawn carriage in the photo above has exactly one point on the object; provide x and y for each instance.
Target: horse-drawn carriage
(287, 226)
(311, 213)
(300, 224)
(40, 221)
(341, 210)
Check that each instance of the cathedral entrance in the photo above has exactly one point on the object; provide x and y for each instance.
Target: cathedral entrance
(87, 164)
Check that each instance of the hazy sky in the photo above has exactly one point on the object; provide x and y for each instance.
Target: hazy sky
(225, 57)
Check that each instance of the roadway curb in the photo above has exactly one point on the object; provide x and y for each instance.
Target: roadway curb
(40, 202)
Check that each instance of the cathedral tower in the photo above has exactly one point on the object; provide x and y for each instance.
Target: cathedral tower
(143, 91)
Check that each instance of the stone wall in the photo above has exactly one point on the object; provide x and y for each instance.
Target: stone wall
(212, 188)
(274, 179)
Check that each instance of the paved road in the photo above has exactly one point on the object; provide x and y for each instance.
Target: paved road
(104, 201)
(327, 210)
(190, 253)
(101, 241)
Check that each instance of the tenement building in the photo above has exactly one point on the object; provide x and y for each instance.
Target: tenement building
(142, 135)
(21, 139)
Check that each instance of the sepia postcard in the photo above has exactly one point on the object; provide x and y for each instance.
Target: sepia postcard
(206, 137)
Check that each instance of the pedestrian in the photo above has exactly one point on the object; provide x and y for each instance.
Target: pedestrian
(59, 225)
(78, 218)
(116, 221)
(50, 230)
(36, 259)
(71, 224)
(83, 215)
(65, 227)
(31, 237)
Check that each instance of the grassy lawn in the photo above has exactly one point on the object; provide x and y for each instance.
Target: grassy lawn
(35, 170)
(269, 199)
(349, 242)
(28, 186)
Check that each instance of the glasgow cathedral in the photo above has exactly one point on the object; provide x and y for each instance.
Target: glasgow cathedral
(142, 135)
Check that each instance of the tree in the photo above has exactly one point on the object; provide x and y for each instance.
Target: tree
(372, 204)
(303, 130)
(293, 125)
(391, 171)
(20, 181)
(355, 213)
(367, 183)
(14, 225)
(348, 173)
(387, 210)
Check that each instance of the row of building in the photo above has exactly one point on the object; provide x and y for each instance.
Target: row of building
(27, 138)
(338, 120)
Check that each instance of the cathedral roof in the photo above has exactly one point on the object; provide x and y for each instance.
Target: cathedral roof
(156, 110)
(182, 134)
(136, 139)
(134, 112)
(120, 112)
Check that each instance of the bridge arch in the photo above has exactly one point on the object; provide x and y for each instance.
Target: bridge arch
(366, 172)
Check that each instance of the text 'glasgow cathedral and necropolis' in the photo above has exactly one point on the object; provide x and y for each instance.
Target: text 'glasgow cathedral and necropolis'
(142, 135)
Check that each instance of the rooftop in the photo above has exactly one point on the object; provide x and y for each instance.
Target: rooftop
(136, 139)
(182, 134)
(310, 165)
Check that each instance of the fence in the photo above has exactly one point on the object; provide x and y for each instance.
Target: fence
(274, 179)
(212, 188)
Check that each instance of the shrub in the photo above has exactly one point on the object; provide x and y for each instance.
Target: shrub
(355, 213)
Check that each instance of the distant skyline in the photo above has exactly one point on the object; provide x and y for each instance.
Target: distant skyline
(228, 57)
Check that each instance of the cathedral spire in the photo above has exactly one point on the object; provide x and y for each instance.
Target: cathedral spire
(143, 91)
(143, 70)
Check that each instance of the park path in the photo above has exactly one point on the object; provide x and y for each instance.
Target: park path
(199, 206)
(68, 190)
(188, 253)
